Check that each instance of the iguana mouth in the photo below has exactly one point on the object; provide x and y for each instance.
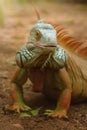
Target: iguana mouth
(50, 46)
(42, 46)
(46, 46)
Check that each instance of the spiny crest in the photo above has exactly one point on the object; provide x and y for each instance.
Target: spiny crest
(70, 43)
(36, 11)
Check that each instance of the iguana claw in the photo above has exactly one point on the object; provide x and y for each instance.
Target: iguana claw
(56, 113)
(18, 107)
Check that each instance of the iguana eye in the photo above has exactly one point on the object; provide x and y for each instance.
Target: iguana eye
(38, 35)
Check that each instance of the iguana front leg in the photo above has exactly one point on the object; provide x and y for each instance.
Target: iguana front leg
(16, 91)
(64, 100)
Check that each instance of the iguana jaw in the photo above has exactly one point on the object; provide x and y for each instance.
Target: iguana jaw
(43, 46)
(46, 46)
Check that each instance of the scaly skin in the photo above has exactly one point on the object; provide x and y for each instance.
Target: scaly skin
(52, 70)
(17, 81)
(46, 85)
(16, 92)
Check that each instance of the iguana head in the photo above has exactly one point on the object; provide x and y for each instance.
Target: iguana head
(41, 41)
(43, 35)
(42, 49)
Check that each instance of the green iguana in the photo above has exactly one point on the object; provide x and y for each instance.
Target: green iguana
(56, 64)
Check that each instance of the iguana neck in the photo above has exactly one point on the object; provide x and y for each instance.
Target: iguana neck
(42, 58)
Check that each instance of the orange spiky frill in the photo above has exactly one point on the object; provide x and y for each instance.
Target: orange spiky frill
(70, 43)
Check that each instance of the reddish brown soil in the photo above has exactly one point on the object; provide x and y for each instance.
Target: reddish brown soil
(12, 36)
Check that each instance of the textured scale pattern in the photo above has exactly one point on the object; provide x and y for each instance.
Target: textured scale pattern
(54, 65)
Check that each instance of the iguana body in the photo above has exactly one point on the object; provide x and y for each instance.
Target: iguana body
(48, 61)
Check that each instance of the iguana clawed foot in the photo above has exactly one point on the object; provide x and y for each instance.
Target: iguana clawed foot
(57, 113)
(18, 107)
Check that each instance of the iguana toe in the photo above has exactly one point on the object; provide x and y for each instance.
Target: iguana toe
(57, 113)
(18, 107)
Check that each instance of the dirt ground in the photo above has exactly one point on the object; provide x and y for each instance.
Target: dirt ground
(18, 22)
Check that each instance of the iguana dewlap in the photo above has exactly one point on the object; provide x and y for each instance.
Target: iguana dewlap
(55, 63)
